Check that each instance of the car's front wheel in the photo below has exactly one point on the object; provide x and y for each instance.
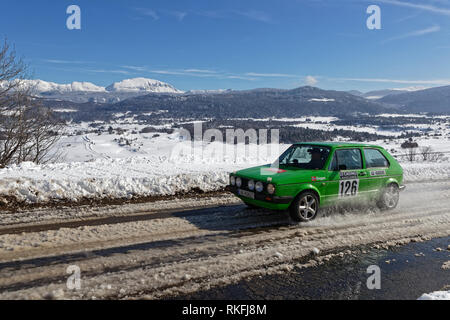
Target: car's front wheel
(389, 197)
(305, 207)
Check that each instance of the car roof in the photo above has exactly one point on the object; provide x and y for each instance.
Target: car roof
(338, 144)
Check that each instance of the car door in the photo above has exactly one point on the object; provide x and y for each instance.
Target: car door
(330, 187)
(350, 174)
(376, 168)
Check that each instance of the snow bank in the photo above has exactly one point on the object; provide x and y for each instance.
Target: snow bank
(155, 175)
(437, 295)
(114, 178)
(420, 171)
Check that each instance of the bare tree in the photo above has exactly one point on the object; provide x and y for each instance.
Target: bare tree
(411, 154)
(436, 157)
(28, 131)
(426, 152)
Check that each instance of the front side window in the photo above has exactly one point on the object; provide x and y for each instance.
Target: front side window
(349, 159)
(305, 157)
(375, 159)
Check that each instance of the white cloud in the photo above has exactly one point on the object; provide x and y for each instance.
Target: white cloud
(270, 75)
(256, 15)
(106, 71)
(179, 15)
(56, 61)
(383, 80)
(135, 68)
(416, 33)
(419, 6)
(310, 80)
(199, 71)
(148, 12)
(167, 72)
(191, 72)
(240, 78)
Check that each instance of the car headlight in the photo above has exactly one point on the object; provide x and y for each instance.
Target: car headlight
(259, 186)
(232, 180)
(238, 182)
(270, 188)
(251, 184)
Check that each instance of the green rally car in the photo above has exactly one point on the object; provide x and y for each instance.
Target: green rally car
(312, 175)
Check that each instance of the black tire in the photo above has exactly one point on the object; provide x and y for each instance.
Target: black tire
(389, 197)
(304, 207)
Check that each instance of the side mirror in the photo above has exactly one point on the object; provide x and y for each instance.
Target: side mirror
(342, 167)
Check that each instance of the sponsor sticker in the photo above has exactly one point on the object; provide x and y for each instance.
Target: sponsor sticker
(317, 179)
(348, 174)
(377, 173)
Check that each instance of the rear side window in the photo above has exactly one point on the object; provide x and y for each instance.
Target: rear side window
(375, 159)
(349, 159)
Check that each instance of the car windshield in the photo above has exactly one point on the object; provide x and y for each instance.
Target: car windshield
(305, 157)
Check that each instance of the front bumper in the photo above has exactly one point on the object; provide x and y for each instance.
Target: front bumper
(260, 196)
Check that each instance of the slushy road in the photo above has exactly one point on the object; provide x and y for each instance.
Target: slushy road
(158, 250)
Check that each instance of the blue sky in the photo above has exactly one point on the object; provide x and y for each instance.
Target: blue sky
(221, 44)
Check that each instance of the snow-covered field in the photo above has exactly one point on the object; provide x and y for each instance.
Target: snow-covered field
(130, 164)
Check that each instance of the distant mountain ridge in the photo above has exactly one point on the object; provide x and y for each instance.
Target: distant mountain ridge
(88, 92)
(378, 94)
(256, 103)
(436, 100)
(142, 94)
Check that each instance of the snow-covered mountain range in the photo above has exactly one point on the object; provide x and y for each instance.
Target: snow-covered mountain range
(87, 91)
(142, 85)
(419, 98)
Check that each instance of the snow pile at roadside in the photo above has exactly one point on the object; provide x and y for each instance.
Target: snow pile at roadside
(425, 171)
(437, 295)
(153, 175)
(113, 178)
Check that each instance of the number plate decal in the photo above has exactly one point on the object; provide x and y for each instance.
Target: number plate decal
(246, 194)
(348, 188)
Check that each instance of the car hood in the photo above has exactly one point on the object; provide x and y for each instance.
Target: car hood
(282, 175)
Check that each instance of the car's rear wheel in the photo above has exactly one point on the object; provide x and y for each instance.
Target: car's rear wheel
(389, 197)
(305, 207)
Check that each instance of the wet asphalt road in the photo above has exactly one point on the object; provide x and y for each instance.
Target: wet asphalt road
(411, 270)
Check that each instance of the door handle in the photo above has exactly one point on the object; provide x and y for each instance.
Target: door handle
(361, 174)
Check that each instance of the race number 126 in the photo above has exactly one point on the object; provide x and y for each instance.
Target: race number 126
(348, 188)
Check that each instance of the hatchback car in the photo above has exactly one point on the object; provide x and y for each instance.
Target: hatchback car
(312, 175)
